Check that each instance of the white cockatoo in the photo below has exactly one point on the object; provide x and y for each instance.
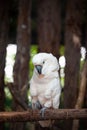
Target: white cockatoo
(45, 87)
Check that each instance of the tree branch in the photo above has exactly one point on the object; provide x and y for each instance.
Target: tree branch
(49, 114)
(17, 96)
(81, 94)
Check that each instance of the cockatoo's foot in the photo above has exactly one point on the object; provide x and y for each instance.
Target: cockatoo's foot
(30, 105)
(42, 111)
(37, 105)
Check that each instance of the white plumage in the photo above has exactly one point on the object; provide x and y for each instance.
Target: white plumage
(45, 87)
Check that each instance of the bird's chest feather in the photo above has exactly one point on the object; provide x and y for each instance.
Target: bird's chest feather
(41, 94)
(42, 87)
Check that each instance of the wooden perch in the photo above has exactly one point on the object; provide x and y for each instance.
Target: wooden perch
(49, 114)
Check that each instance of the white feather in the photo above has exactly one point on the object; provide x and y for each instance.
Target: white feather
(45, 88)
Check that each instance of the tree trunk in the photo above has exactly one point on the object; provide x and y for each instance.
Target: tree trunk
(48, 26)
(72, 53)
(4, 26)
(85, 101)
(86, 26)
(21, 66)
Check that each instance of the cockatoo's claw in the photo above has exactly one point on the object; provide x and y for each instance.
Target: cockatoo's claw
(38, 105)
(30, 105)
(42, 111)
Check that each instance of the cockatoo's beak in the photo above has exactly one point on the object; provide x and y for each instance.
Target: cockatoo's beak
(38, 68)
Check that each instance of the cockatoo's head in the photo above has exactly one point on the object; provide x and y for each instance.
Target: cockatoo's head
(45, 63)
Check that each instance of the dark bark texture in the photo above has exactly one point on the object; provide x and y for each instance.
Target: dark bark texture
(72, 53)
(4, 27)
(48, 26)
(21, 66)
(61, 114)
(85, 102)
